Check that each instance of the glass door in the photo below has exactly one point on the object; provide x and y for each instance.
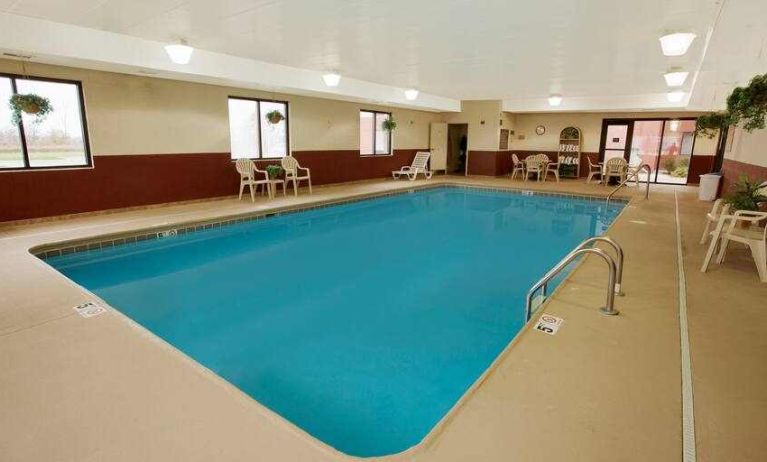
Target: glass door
(645, 146)
(615, 139)
(676, 151)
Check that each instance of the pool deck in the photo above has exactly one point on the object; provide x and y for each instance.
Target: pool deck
(602, 389)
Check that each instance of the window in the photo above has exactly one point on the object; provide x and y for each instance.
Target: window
(374, 140)
(252, 135)
(58, 140)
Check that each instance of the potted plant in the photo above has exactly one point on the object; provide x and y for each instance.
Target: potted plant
(746, 195)
(273, 171)
(745, 105)
(274, 117)
(31, 104)
(389, 124)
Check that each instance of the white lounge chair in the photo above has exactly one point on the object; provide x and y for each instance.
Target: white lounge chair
(712, 218)
(593, 171)
(552, 167)
(754, 237)
(615, 168)
(517, 166)
(537, 165)
(295, 173)
(418, 166)
(250, 176)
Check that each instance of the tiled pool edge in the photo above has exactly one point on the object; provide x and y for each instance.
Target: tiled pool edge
(55, 249)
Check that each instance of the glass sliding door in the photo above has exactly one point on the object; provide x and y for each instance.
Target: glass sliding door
(676, 151)
(615, 140)
(645, 146)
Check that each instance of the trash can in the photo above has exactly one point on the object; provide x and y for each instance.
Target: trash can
(709, 185)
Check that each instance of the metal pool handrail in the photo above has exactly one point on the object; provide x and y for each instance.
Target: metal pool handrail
(629, 177)
(618, 252)
(608, 309)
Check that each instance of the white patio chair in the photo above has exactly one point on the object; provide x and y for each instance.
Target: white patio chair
(293, 172)
(517, 166)
(712, 217)
(754, 237)
(593, 171)
(248, 177)
(552, 167)
(615, 168)
(420, 161)
(535, 164)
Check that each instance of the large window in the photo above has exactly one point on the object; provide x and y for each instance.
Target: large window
(374, 140)
(252, 134)
(58, 140)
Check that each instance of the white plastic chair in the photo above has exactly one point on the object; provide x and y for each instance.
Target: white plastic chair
(615, 168)
(712, 217)
(535, 164)
(248, 174)
(754, 237)
(594, 170)
(632, 172)
(293, 173)
(552, 167)
(417, 166)
(517, 166)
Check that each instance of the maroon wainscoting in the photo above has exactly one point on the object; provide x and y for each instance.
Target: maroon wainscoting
(732, 170)
(483, 163)
(699, 165)
(135, 180)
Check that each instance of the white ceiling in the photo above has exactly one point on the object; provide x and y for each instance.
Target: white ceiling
(599, 54)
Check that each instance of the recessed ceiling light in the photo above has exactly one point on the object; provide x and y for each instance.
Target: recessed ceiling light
(676, 44)
(411, 94)
(331, 79)
(675, 96)
(555, 100)
(675, 78)
(179, 53)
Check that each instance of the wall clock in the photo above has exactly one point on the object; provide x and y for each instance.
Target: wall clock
(540, 129)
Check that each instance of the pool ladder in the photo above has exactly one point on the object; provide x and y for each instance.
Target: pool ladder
(631, 177)
(615, 273)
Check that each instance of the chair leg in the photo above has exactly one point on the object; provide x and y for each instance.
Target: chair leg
(705, 232)
(759, 252)
(242, 187)
(252, 193)
(295, 187)
(310, 185)
(722, 250)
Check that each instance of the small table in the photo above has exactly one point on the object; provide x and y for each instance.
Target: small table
(273, 182)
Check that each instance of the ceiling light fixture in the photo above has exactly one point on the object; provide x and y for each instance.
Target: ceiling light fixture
(331, 79)
(555, 100)
(179, 53)
(676, 44)
(675, 96)
(675, 77)
(411, 94)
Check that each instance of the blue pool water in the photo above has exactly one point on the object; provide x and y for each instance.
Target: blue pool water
(362, 323)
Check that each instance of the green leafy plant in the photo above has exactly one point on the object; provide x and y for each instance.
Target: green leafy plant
(570, 133)
(389, 124)
(273, 171)
(31, 104)
(669, 163)
(274, 117)
(680, 171)
(746, 194)
(746, 106)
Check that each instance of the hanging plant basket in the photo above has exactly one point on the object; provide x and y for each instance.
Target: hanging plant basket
(31, 104)
(389, 125)
(746, 106)
(274, 117)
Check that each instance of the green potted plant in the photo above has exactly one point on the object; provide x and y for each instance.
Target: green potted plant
(32, 104)
(389, 124)
(746, 195)
(746, 106)
(274, 117)
(273, 171)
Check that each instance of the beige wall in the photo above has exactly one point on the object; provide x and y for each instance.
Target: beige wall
(142, 115)
(483, 120)
(591, 128)
(750, 148)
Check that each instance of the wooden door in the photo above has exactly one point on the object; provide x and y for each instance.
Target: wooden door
(438, 146)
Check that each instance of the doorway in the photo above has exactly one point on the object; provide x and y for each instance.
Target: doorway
(666, 145)
(457, 148)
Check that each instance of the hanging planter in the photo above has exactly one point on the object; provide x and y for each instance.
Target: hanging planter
(389, 125)
(31, 104)
(274, 117)
(746, 106)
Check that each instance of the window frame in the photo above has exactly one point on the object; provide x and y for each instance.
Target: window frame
(23, 137)
(374, 154)
(258, 102)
